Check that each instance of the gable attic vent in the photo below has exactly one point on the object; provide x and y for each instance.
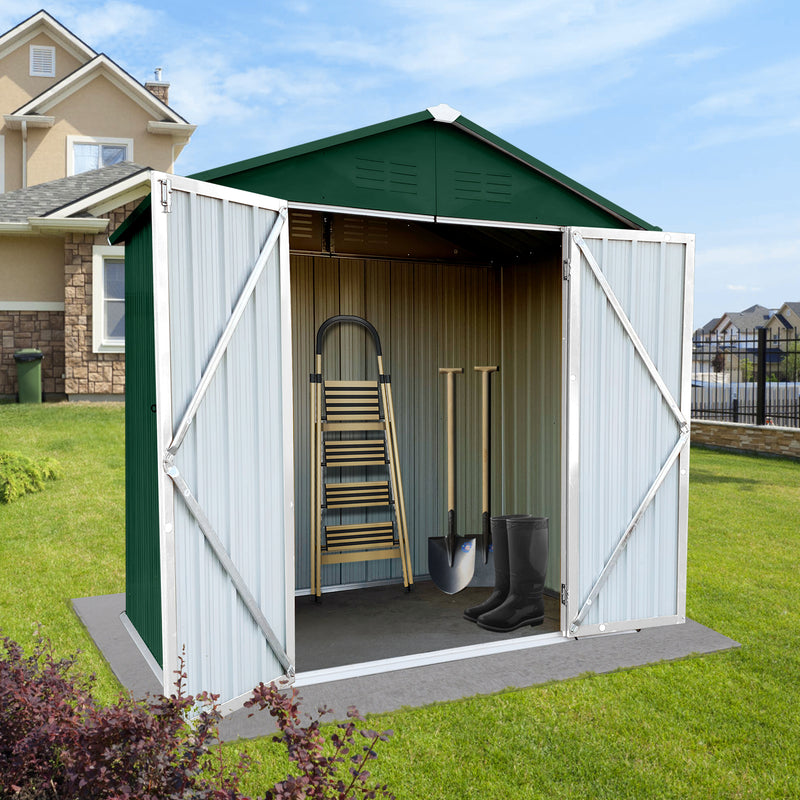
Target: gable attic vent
(43, 61)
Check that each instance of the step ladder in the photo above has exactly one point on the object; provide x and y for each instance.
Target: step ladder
(363, 409)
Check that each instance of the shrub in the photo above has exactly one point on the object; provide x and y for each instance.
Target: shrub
(56, 741)
(337, 774)
(20, 474)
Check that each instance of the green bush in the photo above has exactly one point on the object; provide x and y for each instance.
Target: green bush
(20, 474)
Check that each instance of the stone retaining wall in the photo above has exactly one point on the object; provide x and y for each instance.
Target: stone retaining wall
(760, 439)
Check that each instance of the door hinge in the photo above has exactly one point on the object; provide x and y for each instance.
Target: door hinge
(564, 594)
(567, 269)
(166, 195)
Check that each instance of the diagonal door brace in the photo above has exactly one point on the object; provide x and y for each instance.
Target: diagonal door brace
(171, 469)
(683, 439)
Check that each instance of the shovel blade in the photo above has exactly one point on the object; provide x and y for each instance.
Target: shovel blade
(451, 578)
(484, 566)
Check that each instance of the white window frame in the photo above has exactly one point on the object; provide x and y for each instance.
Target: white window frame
(73, 140)
(43, 47)
(101, 344)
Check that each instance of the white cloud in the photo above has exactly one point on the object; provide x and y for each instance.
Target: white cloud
(688, 59)
(761, 104)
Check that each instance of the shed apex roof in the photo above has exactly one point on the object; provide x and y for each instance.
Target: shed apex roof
(441, 114)
(46, 198)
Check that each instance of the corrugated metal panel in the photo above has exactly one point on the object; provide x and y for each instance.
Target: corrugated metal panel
(232, 457)
(427, 315)
(627, 429)
(142, 569)
(531, 398)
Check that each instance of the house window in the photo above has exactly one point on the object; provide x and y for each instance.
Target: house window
(84, 154)
(43, 61)
(108, 295)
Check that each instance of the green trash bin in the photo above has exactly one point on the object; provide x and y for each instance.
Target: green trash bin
(29, 374)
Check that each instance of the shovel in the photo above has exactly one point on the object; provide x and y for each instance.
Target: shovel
(451, 558)
(484, 558)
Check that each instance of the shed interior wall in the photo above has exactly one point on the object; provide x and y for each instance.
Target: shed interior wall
(432, 314)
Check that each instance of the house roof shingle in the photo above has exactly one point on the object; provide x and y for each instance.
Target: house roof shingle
(45, 198)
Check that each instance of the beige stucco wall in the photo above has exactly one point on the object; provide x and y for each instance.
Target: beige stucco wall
(17, 87)
(31, 269)
(99, 110)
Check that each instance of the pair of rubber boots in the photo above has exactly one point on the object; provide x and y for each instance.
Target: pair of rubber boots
(520, 546)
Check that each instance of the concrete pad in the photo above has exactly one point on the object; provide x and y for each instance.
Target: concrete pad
(550, 658)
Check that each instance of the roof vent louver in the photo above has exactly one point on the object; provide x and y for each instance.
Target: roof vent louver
(43, 61)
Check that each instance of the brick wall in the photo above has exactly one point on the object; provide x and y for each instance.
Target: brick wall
(42, 329)
(765, 439)
(88, 373)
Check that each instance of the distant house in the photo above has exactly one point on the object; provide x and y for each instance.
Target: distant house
(74, 124)
(784, 323)
(733, 323)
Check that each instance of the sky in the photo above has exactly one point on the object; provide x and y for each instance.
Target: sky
(684, 112)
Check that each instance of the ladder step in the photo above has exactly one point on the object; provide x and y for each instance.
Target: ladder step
(355, 453)
(359, 536)
(351, 400)
(357, 495)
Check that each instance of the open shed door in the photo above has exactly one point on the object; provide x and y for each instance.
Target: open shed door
(224, 407)
(627, 393)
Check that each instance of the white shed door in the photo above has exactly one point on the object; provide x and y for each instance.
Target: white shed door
(224, 405)
(627, 358)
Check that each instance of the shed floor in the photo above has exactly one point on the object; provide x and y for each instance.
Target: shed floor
(378, 622)
(350, 627)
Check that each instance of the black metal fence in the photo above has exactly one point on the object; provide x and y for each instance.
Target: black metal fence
(749, 376)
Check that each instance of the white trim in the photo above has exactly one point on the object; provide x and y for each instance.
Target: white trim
(42, 21)
(101, 64)
(42, 49)
(412, 660)
(2, 163)
(99, 342)
(14, 121)
(55, 225)
(142, 647)
(444, 113)
(30, 305)
(104, 200)
(72, 140)
(184, 129)
(361, 212)
(487, 223)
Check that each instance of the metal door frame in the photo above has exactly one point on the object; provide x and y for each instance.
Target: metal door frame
(574, 607)
(169, 437)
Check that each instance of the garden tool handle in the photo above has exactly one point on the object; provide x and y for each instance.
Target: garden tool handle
(485, 376)
(451, 372)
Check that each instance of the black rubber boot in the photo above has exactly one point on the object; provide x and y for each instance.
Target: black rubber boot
(527, 558)
(501, 574)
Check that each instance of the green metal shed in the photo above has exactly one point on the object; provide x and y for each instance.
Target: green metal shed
(461, 250)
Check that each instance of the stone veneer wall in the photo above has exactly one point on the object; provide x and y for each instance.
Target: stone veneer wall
(87, 372)
(761, 439)
(41, 329)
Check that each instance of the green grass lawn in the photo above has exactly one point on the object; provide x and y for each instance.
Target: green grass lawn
(720, 726)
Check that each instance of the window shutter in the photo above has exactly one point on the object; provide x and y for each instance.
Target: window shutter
(43, 61)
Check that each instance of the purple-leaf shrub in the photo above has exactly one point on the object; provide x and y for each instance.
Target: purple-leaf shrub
(335, 772)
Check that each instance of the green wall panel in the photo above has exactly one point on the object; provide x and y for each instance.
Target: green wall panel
(476, 181)
(142, 559)
(392, 171)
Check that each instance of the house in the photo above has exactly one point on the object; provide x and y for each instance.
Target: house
(784, 323)
(733, 323)
(74, 124)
